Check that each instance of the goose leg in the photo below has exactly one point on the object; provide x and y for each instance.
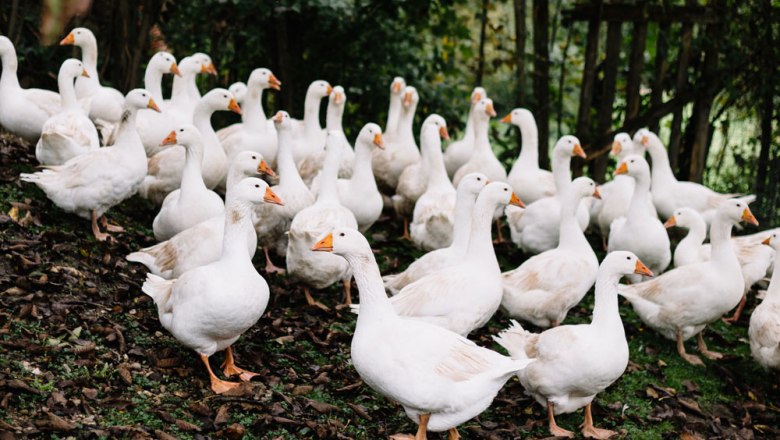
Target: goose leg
(690, 358)
(230, 369)
(453, 434)
(737, 313)
(500, 235)
(704, 350)
(554, 428)
(347, 291)
(100, 236)
(406, 235)
(218, 385)
(109, 227)
(310, 300)
(270, 267)
(590, 431)
(422, 430)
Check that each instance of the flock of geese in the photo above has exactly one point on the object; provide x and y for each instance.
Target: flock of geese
(410, 342)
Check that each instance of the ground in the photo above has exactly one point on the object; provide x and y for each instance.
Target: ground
(82, 353)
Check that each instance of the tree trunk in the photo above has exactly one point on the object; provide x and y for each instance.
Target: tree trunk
(561, 81)
(586, 89)
(598, 167)
(541, 20)
(661, 68)
(283, 52)
(482, 31)
(680, 86)
(520, 32)
(635, 67)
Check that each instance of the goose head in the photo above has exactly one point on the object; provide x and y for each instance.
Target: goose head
(81, 37)
(582, 187)
(622, 145)
(501, 194)
(265, 79)
(255, 191)
(483, 110)
(397, 86)
(478, 94)
(190, 66)
(643, 138)
(410, 97)
(688, 218)
(435, 122)
(371, 134)
(221, 99)
(251, 163)
(337, 97)
(282, 121)
(72, 68)
(164, 62)
(344, 242)
(519, 117)
(568, 146)
(140, 99)
(472, 183)
(736, 211)
(773, 241)
(319, 89)
(623, 263)
(238, 89)
(206, 65)
(6, 47)
(185, 135)
(635, 166)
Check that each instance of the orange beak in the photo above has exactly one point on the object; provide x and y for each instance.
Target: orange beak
(233, 106)
(396, 87)
(616, 148)
(170, 139)
(622, 169)
(489, 110)
(670, 222)
(767, 241)
(211, 69)
(748, 216)
(378, 141)
(645, 140)
(271, 197)
(408, 99)
(84, 73)
(174, 69)
(515, 201)
(337, 98)
(278, 117)
(70, 39)
(153, 105)
(443, 133)
(641, 269)
(596, 193)
(274, 82)
(329, 89)
(477, 97)
(324, 245)
(264, 168)
(507, 119)
(578, 151)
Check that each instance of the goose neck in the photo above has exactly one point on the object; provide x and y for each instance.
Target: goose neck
(153, 82)
(89, 56)
(393, 115)
(773, 292)
(285, 163)
(571, 236)
(720, 240)
(238, 218)
(329, 175)
(311, 114)
(637, 208)
(252, 113)
(464, 206)
(191, 177)
(333, 118)
(480, 236)
(10, 65)
(605, 309)
(127, 135)
(405, 129)
(561, 170)
(433, 160)
(362, 170)
(661, 170)
(67, 91)
(481, 140)
(529, 154)
(373, 299)
(179, 93)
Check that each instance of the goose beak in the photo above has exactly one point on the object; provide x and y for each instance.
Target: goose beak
(396, 87)
(153, 105)
(489, 110)
(596, 193)
(515, 201)
(328, 90)
(271, 197)
(748, 216)
(408, 99)
(616, 148)
(175, 69)
(443, 133)
(211, 69)
(274, 82)
(233, 106)
(170, 139)
(84, 73)
(645, 140)
(507, 119)
(476, 98)
(70, 39)
(622, 169)
(767, 241)
(578, 151)
(671, 222)
(378, 141)
(278, 117)
(641, 269)
(264, 168)
(338, 97)
(324, 245)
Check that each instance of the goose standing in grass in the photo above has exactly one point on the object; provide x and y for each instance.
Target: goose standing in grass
(546, 286)
(153, 126)
(573, 363)
(459, 152)
(394, 111)
(69, 133)
(764, 329)
(208, 308)
(466, 196)
(681, 302)
(530, 182)
(401, 149)
(440, 378)
(90, 184)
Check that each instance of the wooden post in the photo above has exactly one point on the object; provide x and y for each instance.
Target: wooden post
(598, 167)
(635, 67)
(586, 89)
(541, 20)
(661, 67)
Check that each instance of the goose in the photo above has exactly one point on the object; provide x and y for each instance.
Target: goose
(681, 302)
(68, 133)
(463, 296)
(182, 103)
(640, 231)
(414, 178)
(458, 152)
(400, 150)
(543, 289)
(254, 133)
(192, 203)
(764, 329)
(394, 112)
(166, 167)
(202, 243)
(535, 229)
(433, 216)
(754, 257)
(24, 111)
(573, 363)
(482, 160)
(529, 181)
(90, 184)
(466, 196)
(311, 166)
(209, 307)
(669, 193)
(440, 378)
(308, 133)
(153, 126)
(273, 222)
(238, 89)
(208, 68)
(313, 269)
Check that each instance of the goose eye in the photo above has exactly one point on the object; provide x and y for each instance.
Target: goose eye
(739, 205)
(505, 190)
(257, 186)
(628, 258)
(479, 179)
(342, 234)
(254, 157)
(181, 130)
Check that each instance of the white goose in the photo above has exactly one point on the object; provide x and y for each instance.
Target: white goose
(440, 378)
(466, 196)
(400, 150)
(182, 104)
(238, 89)
(764, 329)
(208, 68)
(573, 363)
(546, 286)
(308, 133)
(394, 111)
(681, 302)
(459, 152)
(202, 243)
(482, 160)
(311, 166)
(530, 182)
(313, 269)
(433, 218)
(89, 184)
(68, 133)
(535, 229)
(153, 126)
(208, 308)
